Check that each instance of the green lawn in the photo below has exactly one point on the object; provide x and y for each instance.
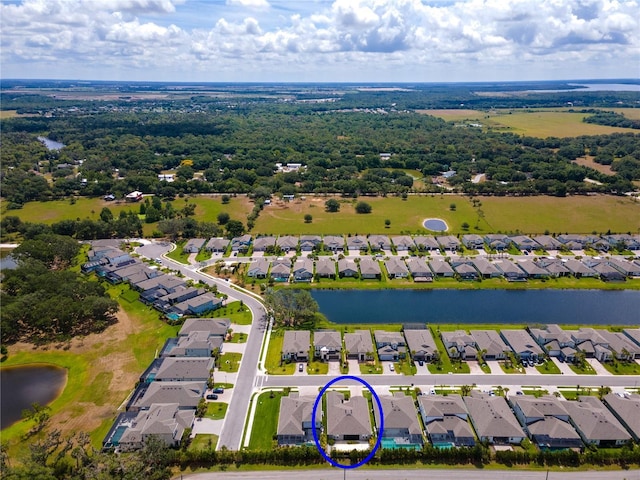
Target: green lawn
(511, 367)
(274, 355)
(178, 254)
(216, 410)
(265, 420)
(622, 368)
(374, 367)
(318, 368)
(548, 367)
(203, 441)
(240, 337)
(235, 311)
(230, 362)
(405, 367)
(584, 369)
(445, 364)
(536, 392)
(573, 394)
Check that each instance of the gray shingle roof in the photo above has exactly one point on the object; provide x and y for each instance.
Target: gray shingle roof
(349, 417)
(492, 417)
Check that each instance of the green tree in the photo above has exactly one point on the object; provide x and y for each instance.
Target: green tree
(225, 199)
(234, 228)
(332, 205)
(363, 207)
(452, 207)
(223, 218)
(308, 218)
(291, 307)
(106, 215)
(387, 223)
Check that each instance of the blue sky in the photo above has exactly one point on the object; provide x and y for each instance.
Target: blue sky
(320, 40)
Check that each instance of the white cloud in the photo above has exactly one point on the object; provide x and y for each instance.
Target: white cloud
(348, 38)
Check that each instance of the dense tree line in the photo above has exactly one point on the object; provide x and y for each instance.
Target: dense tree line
(43, 300)
(611, 119)
(236, 150)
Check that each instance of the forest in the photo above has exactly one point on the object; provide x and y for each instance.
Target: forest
(232, 145)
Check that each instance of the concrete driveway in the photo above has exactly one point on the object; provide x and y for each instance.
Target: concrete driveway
(334, 367)
(597, 366)
(474, 367)
(564, 368)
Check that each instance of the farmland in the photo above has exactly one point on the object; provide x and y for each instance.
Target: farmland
(535, 122)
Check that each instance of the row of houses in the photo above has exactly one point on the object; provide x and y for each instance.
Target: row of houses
(328, 345)
(169, 391)
(167, 293)
(405, 243)
(283, 269)
(453, 420)
(417, 341)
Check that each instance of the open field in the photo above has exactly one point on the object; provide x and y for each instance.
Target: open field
(587, 161)
(4, 114)
(536, 122)
(102, 371)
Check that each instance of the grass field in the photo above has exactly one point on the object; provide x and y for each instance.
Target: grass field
(4, 114)
(265, 420)
(587, 161)
(536, 122)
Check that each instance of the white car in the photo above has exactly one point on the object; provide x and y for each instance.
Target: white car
(391, 367)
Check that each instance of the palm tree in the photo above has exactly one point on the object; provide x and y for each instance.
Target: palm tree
(465, 390)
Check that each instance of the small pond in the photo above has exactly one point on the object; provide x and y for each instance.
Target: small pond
(435, 225)
(25, 385)
(51, 144)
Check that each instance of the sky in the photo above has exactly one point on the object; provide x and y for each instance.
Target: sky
(319, 40)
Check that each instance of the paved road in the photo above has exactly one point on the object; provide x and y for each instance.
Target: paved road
(233, 426)
(431, 474)
(460, 379)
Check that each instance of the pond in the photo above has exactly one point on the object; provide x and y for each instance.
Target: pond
(435, 225)
(596, 307)
(28, 385)
(51, 144)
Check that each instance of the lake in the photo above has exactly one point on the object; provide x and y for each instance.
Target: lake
(22, 386)
(480, 306)
(51, 144)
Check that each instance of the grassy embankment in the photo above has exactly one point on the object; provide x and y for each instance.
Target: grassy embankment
(102, 370)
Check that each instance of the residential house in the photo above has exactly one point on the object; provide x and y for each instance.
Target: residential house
(369, 268)
(586, 339)
(194, 245)
(357, 242)
(625, 267)
(554, 266)
(396, 268)
(280, 269)
(348, 420)
(553, 339)
(485, 268)
(626, 409)
(524, 243)
(181, 294)
(579, 269)
(303, 270)
(241, 243)
(473, 241)
(327, 345)
(465, 271)
(391, 345)
(572, 241)
(165, 421)
(448, 242)
(196, 344)
(215, 327)
(623, 239)
(532, 269)
(260, 244)
(134, 196)
(619, 345)
(259, 268)
(522, 344)
(287, 243)
(296, 344)
(605, 271)
(333, 243)
(156, 287)
(441, 268)
(358, 345)
(179, 369)
(379, 242)
(596, 424)
(633, 334)
(421, 344)
(419, 269)
(326, 267)
(403, 243)
(547, 242)
(493, 420)
(186, 395)
(217, 245)
(459, 344)
(497, 241)
(295, 423)
(400, 420)
(347, 268)
(446, 420)
(510, 270)
(547, 421)
(490, 344)
(426, 242)
(206, 302)
(309, 242)
(134, 273)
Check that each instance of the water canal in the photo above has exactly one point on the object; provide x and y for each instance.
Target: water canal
(596, 307)
(25, 385)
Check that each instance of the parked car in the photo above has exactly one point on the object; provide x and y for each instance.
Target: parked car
(212, 396)
(420, 362)
(218, 390)
(391, 367)
(301, 367)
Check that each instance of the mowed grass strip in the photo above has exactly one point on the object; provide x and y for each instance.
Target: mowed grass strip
(265, 421)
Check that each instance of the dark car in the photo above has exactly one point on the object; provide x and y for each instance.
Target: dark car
(420, 362)
(218, 390)
(212, 396)
(301, 367)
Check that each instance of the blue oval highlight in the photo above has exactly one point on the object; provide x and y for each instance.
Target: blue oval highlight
(315, 433)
